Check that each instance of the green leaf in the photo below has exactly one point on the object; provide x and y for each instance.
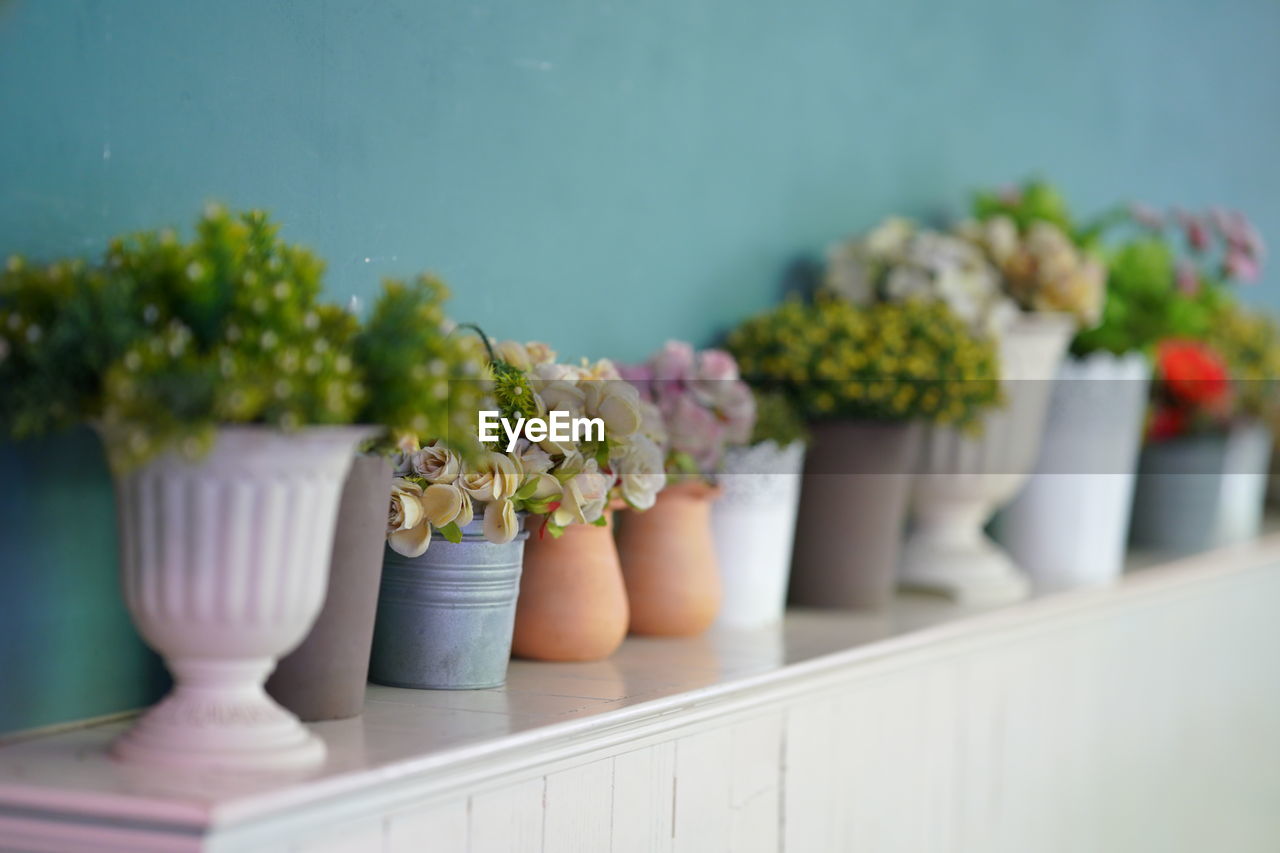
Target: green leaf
(452, 532)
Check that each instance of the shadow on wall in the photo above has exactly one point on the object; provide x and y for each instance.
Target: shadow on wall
(67, 648)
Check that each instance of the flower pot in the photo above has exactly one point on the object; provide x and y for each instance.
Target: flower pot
(325, 677)
(669, 562)
(853, 506)
(445, 618)
(573, 604)
(1202, 491)
(1068, 526)
(753, 527)
(224, 563)
(962, 479)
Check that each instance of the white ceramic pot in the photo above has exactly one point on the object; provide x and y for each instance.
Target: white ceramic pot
(1069, 525)
(753, 526)
(1202, 491)
(963, 479)
(224, 565)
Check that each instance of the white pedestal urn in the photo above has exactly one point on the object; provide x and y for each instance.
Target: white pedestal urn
(962, 479)
(224, 565)
(1069, 525)
(753, 527)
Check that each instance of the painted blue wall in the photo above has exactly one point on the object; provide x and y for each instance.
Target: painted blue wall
(602, 175)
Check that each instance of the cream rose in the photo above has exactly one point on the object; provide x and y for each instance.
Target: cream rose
(584, 497)
(640, 472)
(514, 354)
(408, 532)
(495, 478)
(436, 464)
(615, 403)
(442, 503)
(539, 353)
(501, 524)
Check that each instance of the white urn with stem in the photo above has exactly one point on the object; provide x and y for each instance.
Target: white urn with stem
(962, 479)
(224, 566)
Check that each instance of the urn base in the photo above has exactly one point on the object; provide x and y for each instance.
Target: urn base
(218, 716)
(972, 571)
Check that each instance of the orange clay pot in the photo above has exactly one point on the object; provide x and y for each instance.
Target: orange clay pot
(572, 605)
(669, 562)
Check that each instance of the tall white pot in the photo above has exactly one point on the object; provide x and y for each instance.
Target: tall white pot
(962, 479)
(224, 565)
(753, 526)
(1068, 526)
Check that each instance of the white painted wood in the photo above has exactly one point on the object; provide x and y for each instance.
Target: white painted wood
(368, 836)
(755, 784)
(579, 808)
(440, 828)
(643, 799)
(508, 820)
(1141, 717)
(703, 791)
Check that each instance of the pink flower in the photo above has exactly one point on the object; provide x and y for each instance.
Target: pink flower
(695, 430)
(1240, 265)
(673, 362)
(1146, 216)
(716, 364)
(1196, 231)
(1188, 278)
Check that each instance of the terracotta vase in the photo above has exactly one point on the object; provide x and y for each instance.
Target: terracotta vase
(572, 605)
(669, 562)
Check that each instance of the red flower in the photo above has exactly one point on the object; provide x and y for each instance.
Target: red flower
(1166, 422)
(1193, 374)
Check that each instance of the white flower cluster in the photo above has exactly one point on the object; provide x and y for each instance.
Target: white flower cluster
(898, 261)
(567, 482)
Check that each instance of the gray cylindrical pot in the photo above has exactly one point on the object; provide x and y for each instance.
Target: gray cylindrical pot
(1200, 492)
(853, 505)
(445, 618)
(325, 677)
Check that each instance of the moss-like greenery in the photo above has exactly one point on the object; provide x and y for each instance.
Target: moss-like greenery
(887, 361)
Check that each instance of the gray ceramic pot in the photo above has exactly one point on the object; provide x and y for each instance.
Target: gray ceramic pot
(445, 618)
(324, 678)
(853, 505)
(1201, 492)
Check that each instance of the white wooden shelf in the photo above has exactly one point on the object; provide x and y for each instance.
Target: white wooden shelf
(1033, 727)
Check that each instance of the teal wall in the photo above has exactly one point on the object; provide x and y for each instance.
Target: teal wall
(602, 175)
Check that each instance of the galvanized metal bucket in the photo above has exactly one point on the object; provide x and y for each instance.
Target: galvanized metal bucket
(445, 618)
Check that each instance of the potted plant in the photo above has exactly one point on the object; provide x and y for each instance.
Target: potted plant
(963, 478)
(573, 602)
(1067, 525)
(865, 378)
(409, 361)
(224, 395)
(753, 523)
(1202, 477)
(668, 556)
(446, 611)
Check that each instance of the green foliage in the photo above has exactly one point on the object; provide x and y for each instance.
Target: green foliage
(1249, 344)
(421, 379)
(1144, 305)
(59, 323)
(232, 333)
(890, 361)
(777, 419)
(1034, 201)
